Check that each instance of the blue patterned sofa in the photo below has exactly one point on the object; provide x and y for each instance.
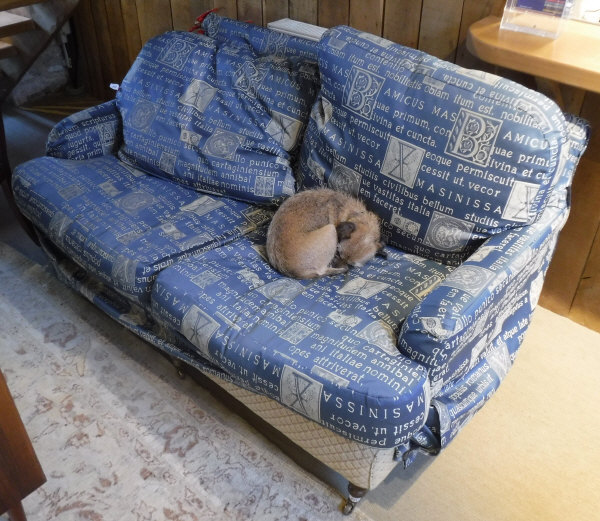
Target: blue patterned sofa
(155, 205)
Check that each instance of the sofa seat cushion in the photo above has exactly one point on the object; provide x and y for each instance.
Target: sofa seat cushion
(446, 156)
(216, 116)
(325, 348)
(121, 224)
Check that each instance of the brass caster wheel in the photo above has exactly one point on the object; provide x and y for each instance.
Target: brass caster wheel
(348, 507)
(355, 494)
(178, 367)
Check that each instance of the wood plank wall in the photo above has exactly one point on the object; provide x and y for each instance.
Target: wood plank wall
(572, 286)
(111, 32)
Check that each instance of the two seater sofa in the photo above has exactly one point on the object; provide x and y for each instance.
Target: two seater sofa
(155, 206)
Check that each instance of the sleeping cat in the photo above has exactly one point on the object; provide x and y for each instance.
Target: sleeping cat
(322, 232)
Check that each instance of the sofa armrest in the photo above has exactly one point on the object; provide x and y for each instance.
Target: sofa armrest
(485, 304)
(92, 132)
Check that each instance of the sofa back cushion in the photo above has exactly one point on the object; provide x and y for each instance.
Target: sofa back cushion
(264, 41)
(215, 115)
(444, 155)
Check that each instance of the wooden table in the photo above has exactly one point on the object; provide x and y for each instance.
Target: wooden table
(572, 59)
(20, 470)
(568, 70)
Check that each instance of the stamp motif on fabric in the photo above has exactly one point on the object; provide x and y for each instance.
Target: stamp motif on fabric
(71, 191)
(447, 233)
(535, 290)
(142, 114)
(499, 360)
(473, 137)
(282, 290)
(124, 270)
(171, 231)
(250, 75)
(176, 54)
(106, 132)
(134, 202)
(402, 161)
(198, 328)
(284, 129)
(364, 288)
(321, 112)
(377, 40)
(405, 224)
(428, 79)
(295, 333)
(223, 144)
(109, 188)
(423, 288)
(167, 162)
(190, 138)
(57, 229)
(197, 240)
(479, 346)
(276, 43)
(382, 335)
(211, 25)
(484, 77)
(335, 40)
(198, 95)
(289, 185)
(316, 168)
(256, 216)
(342, 320)
(128, 237)
(519, 206)
(438, 328)
(264, 186)
(203, 205)
(250, 278)
(482, 252)
(361, 91)
(471, 279)
(344, 179)
(301, 392)
(205, 279)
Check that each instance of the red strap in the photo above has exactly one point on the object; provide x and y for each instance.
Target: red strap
(197, 27)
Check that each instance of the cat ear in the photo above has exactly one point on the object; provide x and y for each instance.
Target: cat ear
(344, 230)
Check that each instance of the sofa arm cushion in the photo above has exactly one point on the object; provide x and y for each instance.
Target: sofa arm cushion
(578, 131)
(446, 156)
(216, 116)
(90, 133)
(482, 309)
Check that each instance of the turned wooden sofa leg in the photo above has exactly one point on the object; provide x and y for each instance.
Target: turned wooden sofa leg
(355, 494)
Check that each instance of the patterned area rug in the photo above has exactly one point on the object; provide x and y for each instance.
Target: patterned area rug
(118, 435)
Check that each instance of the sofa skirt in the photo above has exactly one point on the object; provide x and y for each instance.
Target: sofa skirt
(360, 464)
